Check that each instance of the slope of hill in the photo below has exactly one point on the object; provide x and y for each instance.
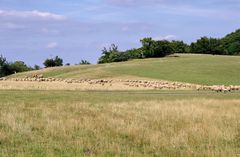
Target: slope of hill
(200, 69)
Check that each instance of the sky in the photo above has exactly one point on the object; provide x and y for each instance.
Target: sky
(32, 31)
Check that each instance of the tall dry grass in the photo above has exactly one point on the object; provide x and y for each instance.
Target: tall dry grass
(196, 127)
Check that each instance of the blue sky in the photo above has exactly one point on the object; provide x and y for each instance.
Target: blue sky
(32, 30)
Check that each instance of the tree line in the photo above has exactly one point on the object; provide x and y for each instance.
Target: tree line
(228, 45)
(150, 49)
(8, 68)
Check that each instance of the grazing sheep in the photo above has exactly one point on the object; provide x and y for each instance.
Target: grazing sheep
(131, 83)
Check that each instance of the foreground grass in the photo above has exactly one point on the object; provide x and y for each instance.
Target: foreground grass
(74, 123)
(198, 69)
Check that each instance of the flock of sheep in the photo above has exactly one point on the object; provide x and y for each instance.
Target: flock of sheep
(179, 86)
(130, 83)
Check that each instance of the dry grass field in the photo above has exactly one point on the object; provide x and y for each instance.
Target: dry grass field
(140, 123)
(105, 85)
(123, 119)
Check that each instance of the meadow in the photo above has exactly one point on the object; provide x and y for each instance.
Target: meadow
(113, 120)
(189, 68)
(128, 123)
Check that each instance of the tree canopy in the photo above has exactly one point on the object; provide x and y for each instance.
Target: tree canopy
(53, 62)
(228, 45)
(7, 68)
(150, 48)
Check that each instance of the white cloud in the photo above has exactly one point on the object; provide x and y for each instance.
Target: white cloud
(216, 9)
(52, 45)
(170, 37)
(125, 28)
(140, 2)
(167, 37)
(31, 14)
(50, 31)
(10, 25)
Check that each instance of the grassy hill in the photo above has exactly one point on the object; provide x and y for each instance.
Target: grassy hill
(36, 121)
(200, 69)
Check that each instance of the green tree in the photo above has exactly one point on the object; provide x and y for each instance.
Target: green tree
(230, 43)
(179, 47)
(234, 48)
(58, 61)
(49, 63)
(118, 57)
(84, 62)
(147, 44)
(230, 38)
(19, 66)
(135, 53)
(215, 47)
(107, 53)
(207, 46)
(153, 48)
(53, 62)
(37, 67)
(162, 48)
(3, 60)
(201, 46)
(7, 68)
(4, 67)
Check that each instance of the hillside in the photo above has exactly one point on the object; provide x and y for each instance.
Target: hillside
(200, 69)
